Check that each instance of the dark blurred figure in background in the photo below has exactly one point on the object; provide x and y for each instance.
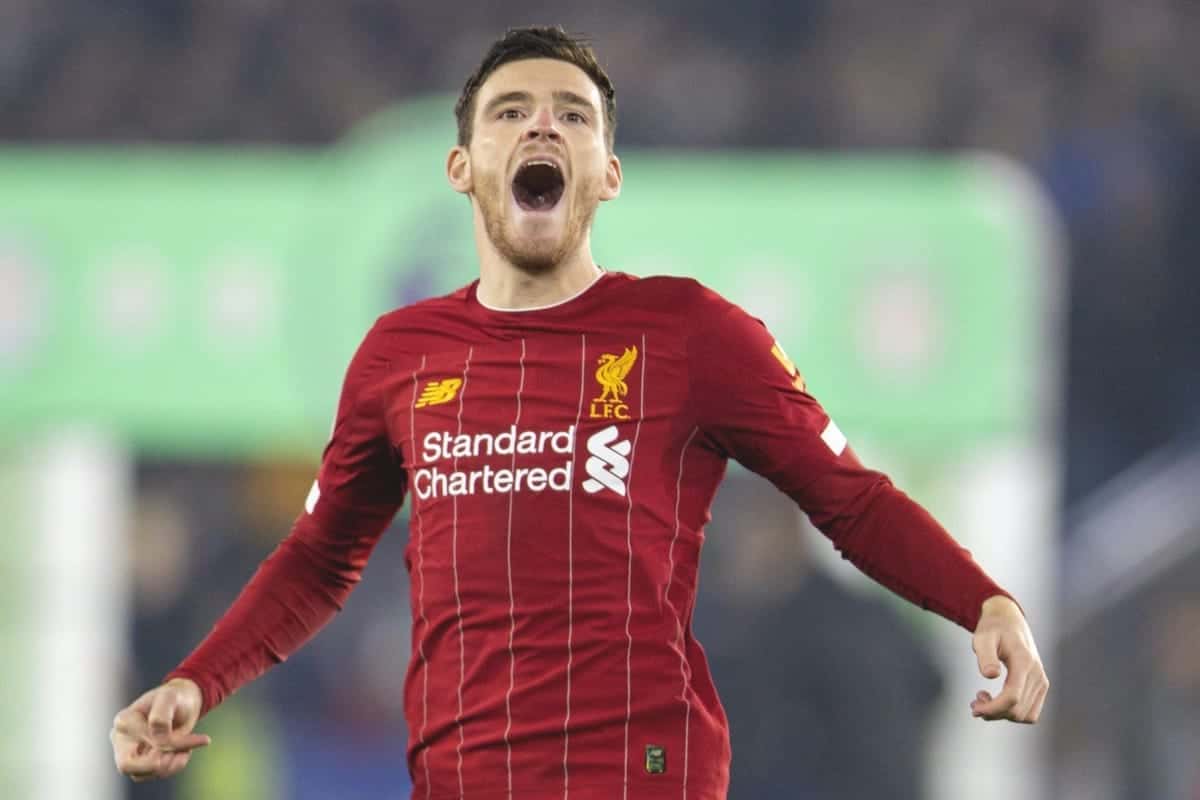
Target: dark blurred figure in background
(860, 683)
(1172, 751)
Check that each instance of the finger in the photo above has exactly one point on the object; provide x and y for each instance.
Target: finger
(142, 764)
(981, 697)
(161, 716)
(128, 757)
(130, 723)
(999, 707)
(1002, 705)
(128, 751)
(1019, 711)
(1036, 713)
(1029, 696)
(175, 764)
(185, 742)
(125, 748)
(1020, 666)
(131, 732)
(144, 701)
(987, 652)
(1037, 696)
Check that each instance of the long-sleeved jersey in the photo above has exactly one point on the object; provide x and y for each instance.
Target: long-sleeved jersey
(560, 463)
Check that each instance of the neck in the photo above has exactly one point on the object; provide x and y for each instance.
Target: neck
(504, 286)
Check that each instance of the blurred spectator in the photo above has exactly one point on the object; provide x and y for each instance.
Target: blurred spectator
(1174, 703)
(828, 692)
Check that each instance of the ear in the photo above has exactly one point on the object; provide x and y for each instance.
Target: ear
(458, 170)
(612, 179)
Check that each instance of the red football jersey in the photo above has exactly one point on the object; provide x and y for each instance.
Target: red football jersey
(560, 463)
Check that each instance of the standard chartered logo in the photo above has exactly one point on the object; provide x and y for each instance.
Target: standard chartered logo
(439, 446)
(608, 463)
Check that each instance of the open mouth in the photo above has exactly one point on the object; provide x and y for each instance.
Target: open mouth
(538, 186)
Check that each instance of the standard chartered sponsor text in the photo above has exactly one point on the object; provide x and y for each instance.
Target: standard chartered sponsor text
(441, 446)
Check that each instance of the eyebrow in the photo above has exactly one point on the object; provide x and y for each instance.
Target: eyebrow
(562, 96)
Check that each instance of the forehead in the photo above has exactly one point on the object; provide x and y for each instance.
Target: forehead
(540, 77)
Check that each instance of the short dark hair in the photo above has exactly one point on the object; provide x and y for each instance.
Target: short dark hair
(518, 44)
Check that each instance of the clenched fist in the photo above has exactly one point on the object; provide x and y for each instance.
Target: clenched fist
(152, 738)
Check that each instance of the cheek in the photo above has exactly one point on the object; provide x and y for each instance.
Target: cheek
(596, 161)
(485, 163)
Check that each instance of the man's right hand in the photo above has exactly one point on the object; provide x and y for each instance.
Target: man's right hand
(152, 738)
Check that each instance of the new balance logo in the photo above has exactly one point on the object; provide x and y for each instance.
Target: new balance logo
(438, 392)
(608, 463)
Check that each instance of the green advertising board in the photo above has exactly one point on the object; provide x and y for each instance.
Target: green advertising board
(206, 301)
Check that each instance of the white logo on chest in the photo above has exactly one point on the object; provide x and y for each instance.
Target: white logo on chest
(608, 463)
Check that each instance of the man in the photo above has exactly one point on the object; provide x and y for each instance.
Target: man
(562, 430)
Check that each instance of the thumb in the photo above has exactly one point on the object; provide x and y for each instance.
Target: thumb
(986, 648)
(162, 714)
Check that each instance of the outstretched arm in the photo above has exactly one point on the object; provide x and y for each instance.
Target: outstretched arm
(294, 592)
(773, 426)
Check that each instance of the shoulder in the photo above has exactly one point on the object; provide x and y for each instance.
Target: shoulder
(416, 315)
(409, 327)
(685, 296)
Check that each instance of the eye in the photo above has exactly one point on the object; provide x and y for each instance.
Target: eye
(510, 113)
(574, 116)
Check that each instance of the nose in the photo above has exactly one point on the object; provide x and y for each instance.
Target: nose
(542, 127)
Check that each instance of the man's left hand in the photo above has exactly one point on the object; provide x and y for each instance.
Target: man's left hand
(1003, 636)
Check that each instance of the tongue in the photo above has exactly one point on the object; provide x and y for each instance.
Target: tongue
(536, 201)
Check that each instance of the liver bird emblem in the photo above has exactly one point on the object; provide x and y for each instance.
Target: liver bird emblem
(611, 375)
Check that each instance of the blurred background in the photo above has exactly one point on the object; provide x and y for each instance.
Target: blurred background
(972, 225)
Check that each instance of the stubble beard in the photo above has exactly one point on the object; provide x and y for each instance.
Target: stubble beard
(533, 258)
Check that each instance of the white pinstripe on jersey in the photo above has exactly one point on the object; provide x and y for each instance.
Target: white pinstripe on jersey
(571, 567)
(512, 602)
(629, 573)
(683, 664)
(462, 646)
(412, 429)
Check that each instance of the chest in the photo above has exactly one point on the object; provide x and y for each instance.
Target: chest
(537, 399)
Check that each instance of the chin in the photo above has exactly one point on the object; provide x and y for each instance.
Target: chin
(536, 260)
(535, 246)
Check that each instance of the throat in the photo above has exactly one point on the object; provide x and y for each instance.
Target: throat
(513, 291)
